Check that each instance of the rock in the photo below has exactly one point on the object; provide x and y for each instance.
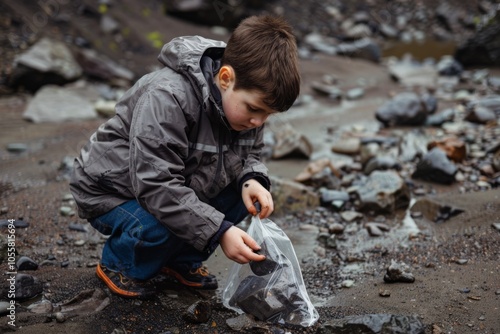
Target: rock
(288, 142)
(243, 323)
(42, 307)
(480, 115)
(252, 298)
(355, 93)
(398, 272)
(383, 191)
(109, 25)
(317, 167)
(18, 223)
(25, 263)
(329, 196)
(430, 102)
(101, 67)
(77, 227)
(198, 312)
(221, 13)
(368, 151)
(17, 147)
(290, 196)
(347, 283)
(376, 229)
(404, 109)
(348, 146)
(447, 115)
(436, 167)
(481, 50)
(332, 91)
(412, 145)
(105, 108)
(336, 228)
(47, 62)
(448, 66)
(26, 286)
(454, 148)
(269, 265)
(384, 293)
(351, 216)
(373, 324)
(66, 211)
(381, 163)
(56, 104)
(433, 210)
(491, 102)
(60, 317)
(364, 48)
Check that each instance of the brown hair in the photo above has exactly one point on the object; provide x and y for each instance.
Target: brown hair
(263, 53)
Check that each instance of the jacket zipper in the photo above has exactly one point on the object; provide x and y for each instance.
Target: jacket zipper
(220, 153)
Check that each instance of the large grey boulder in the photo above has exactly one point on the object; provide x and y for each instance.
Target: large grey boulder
(47, 62)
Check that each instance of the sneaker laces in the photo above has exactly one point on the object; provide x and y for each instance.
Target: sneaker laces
(203, 271)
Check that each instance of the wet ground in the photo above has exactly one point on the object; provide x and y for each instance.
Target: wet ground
(456, 264)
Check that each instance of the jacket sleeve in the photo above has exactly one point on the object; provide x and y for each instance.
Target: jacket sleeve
(158, 147)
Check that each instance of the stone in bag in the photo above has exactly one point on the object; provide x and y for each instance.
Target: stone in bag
(268, 266)
(272, 295)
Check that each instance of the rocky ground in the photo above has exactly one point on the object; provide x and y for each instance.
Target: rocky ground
(454, 261)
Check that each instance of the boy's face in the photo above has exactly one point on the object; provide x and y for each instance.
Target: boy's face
(244, 109)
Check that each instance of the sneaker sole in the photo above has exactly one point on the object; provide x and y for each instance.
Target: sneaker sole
(182, 280)
(112, 286)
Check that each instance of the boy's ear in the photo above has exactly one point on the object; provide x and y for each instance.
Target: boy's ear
(226, 76)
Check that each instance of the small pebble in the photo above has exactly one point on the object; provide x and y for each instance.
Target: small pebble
(65, 211)
(80, 242)
(60, 317)
(17, 147)
(384, 293)
(26, 263)
(347, 283)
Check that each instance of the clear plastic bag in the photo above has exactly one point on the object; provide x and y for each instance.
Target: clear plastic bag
(272, 290)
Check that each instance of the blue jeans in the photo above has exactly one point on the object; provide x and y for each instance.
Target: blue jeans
(139, 245)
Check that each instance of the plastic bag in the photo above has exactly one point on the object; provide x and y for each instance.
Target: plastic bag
(272, 290)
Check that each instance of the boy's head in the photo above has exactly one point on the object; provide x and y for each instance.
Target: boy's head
(262, 52)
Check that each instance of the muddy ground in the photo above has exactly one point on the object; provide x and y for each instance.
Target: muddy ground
(33, 188)
(448, 297)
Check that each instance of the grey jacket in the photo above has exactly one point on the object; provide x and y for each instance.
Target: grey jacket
(169, 147)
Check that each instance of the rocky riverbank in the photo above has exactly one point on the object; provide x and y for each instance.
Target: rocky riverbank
(385, 172)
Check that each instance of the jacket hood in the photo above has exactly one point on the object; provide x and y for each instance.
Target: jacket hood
(183, 55)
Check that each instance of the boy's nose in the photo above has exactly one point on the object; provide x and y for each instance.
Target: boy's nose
(258, 121)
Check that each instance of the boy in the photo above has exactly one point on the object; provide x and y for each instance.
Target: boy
(175, 169)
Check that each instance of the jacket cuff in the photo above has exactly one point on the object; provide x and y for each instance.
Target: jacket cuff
(259, 177)
(214, 241)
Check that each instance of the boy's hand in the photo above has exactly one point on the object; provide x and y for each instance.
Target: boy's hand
(252, 192)
(238, 246)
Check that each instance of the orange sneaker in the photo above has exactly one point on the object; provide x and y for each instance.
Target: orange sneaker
(124, 286)
(198, 278)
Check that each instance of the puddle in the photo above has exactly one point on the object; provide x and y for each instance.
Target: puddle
(420, 50)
